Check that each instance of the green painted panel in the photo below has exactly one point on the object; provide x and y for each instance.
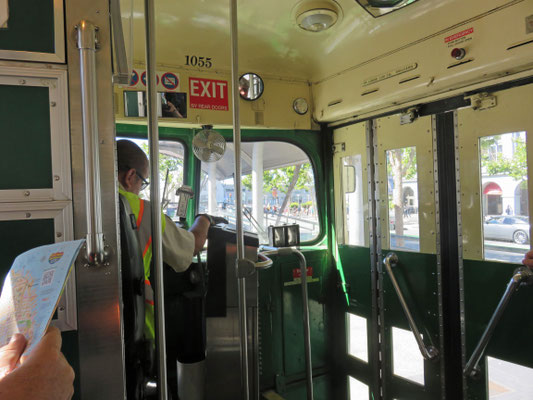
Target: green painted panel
(293, 332)
(321, 389)
(70, 349)
(30, 27)
(484, 285)
(16, 237)
(416, 274)
(356, 266)
(26, 137)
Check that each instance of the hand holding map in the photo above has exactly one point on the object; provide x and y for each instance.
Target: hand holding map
(32, 290)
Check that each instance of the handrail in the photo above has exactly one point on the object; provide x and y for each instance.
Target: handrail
(521, 276)
(285, 251)
(87, 43)
(428, 352)
(155, 199)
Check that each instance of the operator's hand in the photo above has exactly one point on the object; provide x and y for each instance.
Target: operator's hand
(43, 375)
(528, 260)
(214, 219)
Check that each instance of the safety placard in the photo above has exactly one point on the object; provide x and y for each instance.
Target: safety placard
(170, 81)
(459, 37)
(208, 94)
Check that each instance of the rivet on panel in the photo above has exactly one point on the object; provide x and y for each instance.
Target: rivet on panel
(53, 104)
(28, 215)
(61, 308)
(27, 193)
(59, 234)
(56, 178)
(22, 81)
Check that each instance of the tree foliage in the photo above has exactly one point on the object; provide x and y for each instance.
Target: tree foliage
(498, 164)
(281, 178)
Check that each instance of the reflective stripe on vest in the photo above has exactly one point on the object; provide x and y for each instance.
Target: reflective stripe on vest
(144, 235)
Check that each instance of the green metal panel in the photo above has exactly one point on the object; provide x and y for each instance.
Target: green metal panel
(16, 237)
(293, 333)
(30, 27)
(416, 274)
(484, 285)
(321, 389)
(355, 263)
(26, 137)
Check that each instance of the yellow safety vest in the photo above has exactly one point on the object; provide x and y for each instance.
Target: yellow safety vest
(141, 211)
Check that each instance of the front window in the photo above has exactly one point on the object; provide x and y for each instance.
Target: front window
(278, 188)
(170, 173)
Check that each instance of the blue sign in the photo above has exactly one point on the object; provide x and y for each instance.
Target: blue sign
(134, 78)
(143, 78)
(170, 81)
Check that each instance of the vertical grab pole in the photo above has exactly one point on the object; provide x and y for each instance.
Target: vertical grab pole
(87, 45)
(155, 202)
(307, 330)
(238, 200)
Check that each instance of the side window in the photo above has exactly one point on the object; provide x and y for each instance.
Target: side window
(170, 172)
(402, 181)
(504, 192)
(278, 186)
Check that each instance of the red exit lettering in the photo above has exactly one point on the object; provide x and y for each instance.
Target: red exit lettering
(208, 94)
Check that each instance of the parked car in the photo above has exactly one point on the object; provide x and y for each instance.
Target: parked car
(507, 227)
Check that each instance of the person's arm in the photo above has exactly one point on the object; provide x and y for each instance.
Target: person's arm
(43, 375)
(528, 260)
(199, 229)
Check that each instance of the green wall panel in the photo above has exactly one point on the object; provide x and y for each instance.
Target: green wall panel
(26, 137)
(16, 237)
(355, 263)
(30, 27)
(484, 285)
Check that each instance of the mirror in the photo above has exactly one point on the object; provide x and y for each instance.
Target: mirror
(169, 105)
(250, 86)
(349, 179)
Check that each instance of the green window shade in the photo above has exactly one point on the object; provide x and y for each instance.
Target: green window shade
(30, 26)
(16, 237)
(25, 131)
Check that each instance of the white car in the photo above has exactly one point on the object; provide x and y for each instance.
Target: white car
(507, 227)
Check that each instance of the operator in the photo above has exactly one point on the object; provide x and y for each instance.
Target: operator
(528, 259)
(179, 245)
(42, 375)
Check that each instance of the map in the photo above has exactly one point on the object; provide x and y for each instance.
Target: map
(32, 290)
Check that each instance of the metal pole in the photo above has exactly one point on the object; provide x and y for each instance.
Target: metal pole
(238, 200)
(155, 202)
(520, 275)
(307, 330)
(87, 45)
(429, 352)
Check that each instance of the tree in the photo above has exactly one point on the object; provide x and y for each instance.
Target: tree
(401, 165)
(284, 180)
(515, 167)
(170, 174)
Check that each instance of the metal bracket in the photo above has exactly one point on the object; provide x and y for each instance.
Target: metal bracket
(338, 147)
(245, 268)
(482, 101)
(409, 116)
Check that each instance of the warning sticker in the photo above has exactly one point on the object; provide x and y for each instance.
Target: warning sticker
(143, 78)
(297, 277)
(208, 94)
(459, 37)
